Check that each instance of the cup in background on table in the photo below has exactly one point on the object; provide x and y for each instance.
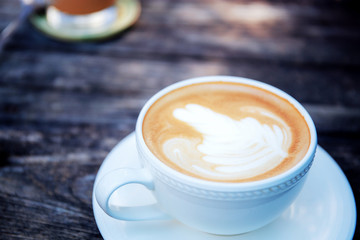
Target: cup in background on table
(82, 15)
(224, 155)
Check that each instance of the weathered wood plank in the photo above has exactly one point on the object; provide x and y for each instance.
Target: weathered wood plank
(141, 78)
(216, 42)
(65, 108)
(282, 32)
(40, 206)
(23, 143)
(112, 91)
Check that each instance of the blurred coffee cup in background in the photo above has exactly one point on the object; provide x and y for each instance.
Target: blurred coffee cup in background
(81, 15)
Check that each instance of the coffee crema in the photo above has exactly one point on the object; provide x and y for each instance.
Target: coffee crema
(81, 7)
(226, 132)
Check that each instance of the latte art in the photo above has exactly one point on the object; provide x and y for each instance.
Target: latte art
(227, 132)
(230, 148)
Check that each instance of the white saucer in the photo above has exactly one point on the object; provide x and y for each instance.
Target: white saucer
(128, 12)
(325, 209)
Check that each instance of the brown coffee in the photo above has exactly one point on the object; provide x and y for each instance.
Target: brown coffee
(226, 132)
(81, 7)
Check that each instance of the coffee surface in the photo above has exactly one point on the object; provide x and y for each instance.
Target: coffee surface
(80, 7)
(227, 132)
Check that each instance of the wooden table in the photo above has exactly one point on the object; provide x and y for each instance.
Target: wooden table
(64, 106)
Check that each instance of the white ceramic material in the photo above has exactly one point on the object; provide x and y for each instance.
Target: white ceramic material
(324, 210)
(212, 207)
(94, 22)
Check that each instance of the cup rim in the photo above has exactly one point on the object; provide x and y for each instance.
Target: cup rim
(281, 178)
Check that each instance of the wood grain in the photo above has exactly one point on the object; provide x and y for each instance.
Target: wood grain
(64, 106)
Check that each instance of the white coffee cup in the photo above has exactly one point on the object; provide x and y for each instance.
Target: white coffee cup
(213, 207)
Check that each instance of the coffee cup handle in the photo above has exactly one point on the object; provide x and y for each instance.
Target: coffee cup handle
(115, 179)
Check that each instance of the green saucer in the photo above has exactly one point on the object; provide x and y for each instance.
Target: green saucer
(128, 13)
